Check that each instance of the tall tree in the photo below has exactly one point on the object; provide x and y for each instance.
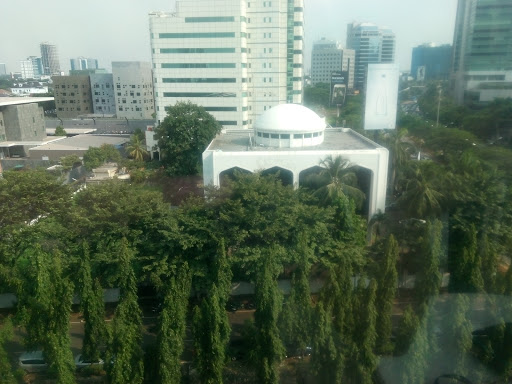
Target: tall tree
(209, 339)
(400, 150)
(124, 352)
(361, 359)
(387, 282)
(92, 307)
(172, 327)
(6, 373)
(428, 276)
(489, 258)
(184, 135)
(269, 348)
(466, 266)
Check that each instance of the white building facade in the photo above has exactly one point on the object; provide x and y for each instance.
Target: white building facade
(236, 58)
(133, 87)
(295, 139)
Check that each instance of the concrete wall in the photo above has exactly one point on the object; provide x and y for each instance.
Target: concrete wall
(2, 127)
(24, 122)
(102, 88)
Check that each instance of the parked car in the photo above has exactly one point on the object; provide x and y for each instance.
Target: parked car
(81, 363)
(32, 361)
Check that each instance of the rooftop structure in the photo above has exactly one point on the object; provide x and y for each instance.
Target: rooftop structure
(290, 144)
(76, 145)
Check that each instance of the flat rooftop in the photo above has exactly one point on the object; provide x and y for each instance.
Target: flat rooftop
(334, 139)
(72, 131)
(46, 140)
(6, 101)
(83, 142)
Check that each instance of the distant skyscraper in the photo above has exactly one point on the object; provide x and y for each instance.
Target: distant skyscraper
(32, 68)
(3, 69)
(50, 59)
(482, 50)
(327, 57)
(81, 63)
(372, 45)
(432, 61)
(236, 58)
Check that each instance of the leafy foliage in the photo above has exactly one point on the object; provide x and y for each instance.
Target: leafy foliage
(183, 136)
(96, 156)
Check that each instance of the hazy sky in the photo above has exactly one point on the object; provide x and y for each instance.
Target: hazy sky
(118, 30)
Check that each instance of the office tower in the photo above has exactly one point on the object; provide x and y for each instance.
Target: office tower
(431, 62)
(50, 59)
(327, 57)
(3, 69)
(133, 81)
(103, 97)
(482, 51)
(31, 68)
(81, 63)
(72, 96)
(372, 45)
(236, 58)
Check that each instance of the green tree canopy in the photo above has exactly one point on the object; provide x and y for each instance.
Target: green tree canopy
(183, 136)
(94, 156)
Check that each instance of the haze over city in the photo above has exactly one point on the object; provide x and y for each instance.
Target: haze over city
(118, 30)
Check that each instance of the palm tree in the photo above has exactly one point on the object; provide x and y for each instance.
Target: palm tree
(340, 181)
(421, 199)
(400, 151)
(137, 148)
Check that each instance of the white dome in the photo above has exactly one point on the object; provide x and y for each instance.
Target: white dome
(289, 118)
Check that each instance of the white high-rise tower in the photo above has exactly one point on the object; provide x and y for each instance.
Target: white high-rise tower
(236, 58)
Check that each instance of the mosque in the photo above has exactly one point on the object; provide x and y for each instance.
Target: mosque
(294, 140)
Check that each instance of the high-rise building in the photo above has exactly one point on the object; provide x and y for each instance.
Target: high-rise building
(372, 45)
(482, 50)
(32, 68)
(431, 61)
(81, 63)
(327, 57)
(236, 58)
(50, 59)
(3, 69)
(133, 82)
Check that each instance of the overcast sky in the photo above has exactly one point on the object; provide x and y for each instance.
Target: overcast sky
(118, 30)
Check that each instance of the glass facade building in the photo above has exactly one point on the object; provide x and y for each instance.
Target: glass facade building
(436, 60)
(482, 50)
(371, 45)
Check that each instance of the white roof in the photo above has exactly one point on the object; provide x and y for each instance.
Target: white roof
(289, 118)
(5, 101)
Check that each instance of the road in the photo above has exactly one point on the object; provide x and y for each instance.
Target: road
(101, 125)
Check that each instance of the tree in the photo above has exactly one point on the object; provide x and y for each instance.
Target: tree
(69, 161)
(406, 331)
(94, 156)
(208, 338)
(421, 197)
(400, 150)
(92, 308)
(269, 348)
(387, 281)
(137, 148)
(172, 327)
(59, 131)
(428, 275)
(184, 135)
(340, 181)
(466, 266)
(6, 375)
(124, 354)
(361, 360)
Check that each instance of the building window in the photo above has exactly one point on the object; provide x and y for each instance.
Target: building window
(196, 35)
(218, 19)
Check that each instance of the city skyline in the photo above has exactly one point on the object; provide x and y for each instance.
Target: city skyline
(128, 38)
